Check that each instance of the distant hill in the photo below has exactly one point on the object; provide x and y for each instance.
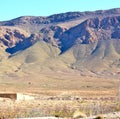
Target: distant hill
(83, 41)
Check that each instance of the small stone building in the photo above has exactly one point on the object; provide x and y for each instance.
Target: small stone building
(16, 96)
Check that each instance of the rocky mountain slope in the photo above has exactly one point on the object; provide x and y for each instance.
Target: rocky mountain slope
(83, 41)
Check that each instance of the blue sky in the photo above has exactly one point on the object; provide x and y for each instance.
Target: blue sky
(10, 9)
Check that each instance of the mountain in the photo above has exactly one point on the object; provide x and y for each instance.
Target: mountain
(77, 41)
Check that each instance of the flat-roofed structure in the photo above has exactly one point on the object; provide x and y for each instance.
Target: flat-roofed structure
(16, 96)
(12, 96)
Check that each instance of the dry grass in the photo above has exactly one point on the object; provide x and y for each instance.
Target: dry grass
(58, 108)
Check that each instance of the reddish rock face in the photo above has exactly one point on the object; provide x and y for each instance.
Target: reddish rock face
(13, 39)
(91, 31)
(11, 36)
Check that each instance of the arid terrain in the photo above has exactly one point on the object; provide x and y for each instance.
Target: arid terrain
(67, 61)
(61, 95)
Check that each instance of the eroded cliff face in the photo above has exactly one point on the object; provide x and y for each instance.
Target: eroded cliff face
(10, 36)
(91, 31)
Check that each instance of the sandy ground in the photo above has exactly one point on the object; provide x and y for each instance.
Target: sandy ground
(60, 92)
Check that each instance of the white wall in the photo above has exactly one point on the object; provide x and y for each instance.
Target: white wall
(24, 97)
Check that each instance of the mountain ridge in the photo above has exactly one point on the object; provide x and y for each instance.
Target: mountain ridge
(76, 14)
(73, 40)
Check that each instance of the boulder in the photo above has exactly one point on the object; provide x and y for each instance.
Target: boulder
(78, 114)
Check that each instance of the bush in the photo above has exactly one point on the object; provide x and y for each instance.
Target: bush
(99, 117)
